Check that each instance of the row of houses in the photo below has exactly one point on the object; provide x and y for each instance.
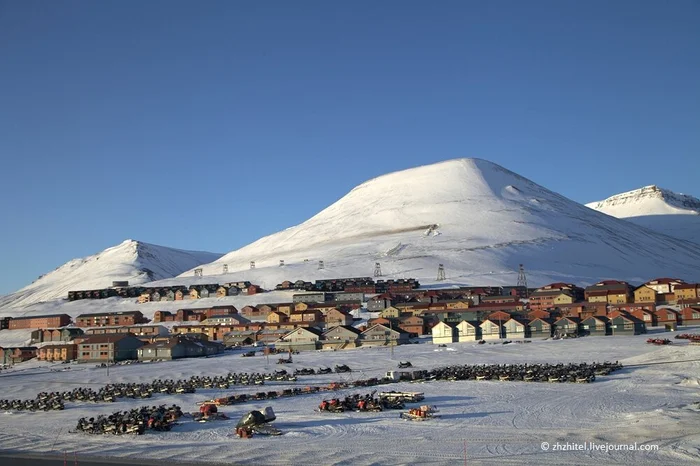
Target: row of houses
(352, 285)
(341, 337)
(166, 293)
(110, 348)
(517, 328)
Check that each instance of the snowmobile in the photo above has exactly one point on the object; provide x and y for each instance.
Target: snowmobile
(420, 414)
(208, 412)
(257, 422)
(342, 368)
(404, 365)
(331, 406)
(325, 370)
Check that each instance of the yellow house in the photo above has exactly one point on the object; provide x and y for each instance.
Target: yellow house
(194, 294)
(145, 297)
(285, 308)
(391, 313)
(301, 306)
(276, 317)
(686, 292)
(617, 297)
(645, 294)
(563, 298)
(221, 292)
(458, 305)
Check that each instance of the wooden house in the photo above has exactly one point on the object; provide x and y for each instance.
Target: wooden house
(337, 317)
(568, 326)
(468, 331)
(596, 325)
(300, 339)
(690, 315)
(276, 317)
(517, 328)
(491, 330)
(648, 317)
(645, 294)
(668, 317)
(341, 337)
(381, 335)
(623, 324)
(541, 327)
(444, 333)
(413, 324)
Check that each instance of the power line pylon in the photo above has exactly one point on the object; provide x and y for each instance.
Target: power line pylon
(441, 272)
(377, 269)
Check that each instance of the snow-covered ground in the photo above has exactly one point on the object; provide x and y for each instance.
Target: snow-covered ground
(499, 422)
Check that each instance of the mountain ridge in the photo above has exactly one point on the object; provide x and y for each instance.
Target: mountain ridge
(135, 261)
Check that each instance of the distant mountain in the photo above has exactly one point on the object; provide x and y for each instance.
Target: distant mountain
(475, 217)
(131, 260)
(656, 208)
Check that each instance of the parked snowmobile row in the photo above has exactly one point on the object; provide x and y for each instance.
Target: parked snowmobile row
(579, 373)
(32, 405)
(135, 421)
(659, 341)
(354, 402)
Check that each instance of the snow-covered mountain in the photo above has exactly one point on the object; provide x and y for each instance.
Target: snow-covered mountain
(656, 208)
(131, 260)
(475, 217)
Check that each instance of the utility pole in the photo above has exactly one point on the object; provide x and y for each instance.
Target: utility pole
(441, 272)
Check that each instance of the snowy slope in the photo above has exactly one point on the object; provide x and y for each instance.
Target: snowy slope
(477, 218)
(131, 260)
(652, 207)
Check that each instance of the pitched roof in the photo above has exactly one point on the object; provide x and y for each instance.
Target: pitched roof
(346, 327)
(106, 338)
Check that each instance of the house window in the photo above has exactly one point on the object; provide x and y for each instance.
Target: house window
(647, 317)
(696, 315)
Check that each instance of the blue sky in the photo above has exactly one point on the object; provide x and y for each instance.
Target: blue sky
(205, 125)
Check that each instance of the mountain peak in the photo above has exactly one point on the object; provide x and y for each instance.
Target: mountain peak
(130, 260)
(475, 217)
(648, 200)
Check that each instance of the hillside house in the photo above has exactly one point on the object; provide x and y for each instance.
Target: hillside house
(381, 335)
(65, 334)
(341, 337)
(379, 303)
(41, 321)
(646, 316)
(16, 354)
(690, 315)
(103, 319)
(568, 326)
(444, 333)
(596, 325)
(181, 295)
(517, 328)
(177, 347)
(645, 294)
(610, 291)
(109, 348)
(276, 317)
(414, 325)
(58, 352)
(688, 293)
(391, 312)
(667, 317)
(240, 338)
(468, 331)
(225, 319)
(300, 339)
(337, 317)
(622, 324)
(541, 327)
(491, 330)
